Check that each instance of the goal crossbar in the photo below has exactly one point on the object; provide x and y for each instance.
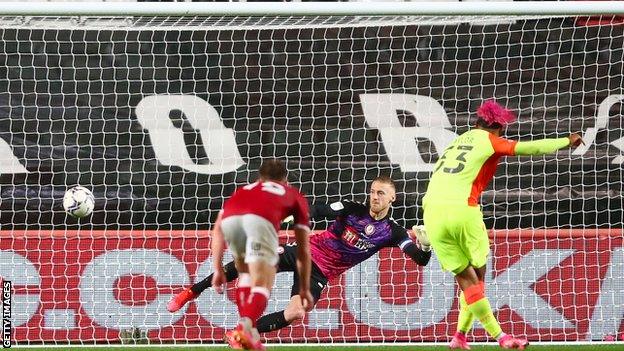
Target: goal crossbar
(312, 8)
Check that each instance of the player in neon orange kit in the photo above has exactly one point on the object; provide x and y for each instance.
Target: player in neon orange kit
(453, 218)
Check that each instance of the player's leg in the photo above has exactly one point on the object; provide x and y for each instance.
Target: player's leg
(242, 336)
(188, 294)
(277, 320)
(441, 224)
(466, 316)
(243, 285)
(438, 220)
(234, 233)
(479, 306)
(236, 237)
(262, 278)
(294, 310)
(465, 320)
(231, 274)
(245, 282)
(472, 236)
(450, 256)
(260, 259)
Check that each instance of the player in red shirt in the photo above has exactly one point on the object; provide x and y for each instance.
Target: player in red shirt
(249, 223)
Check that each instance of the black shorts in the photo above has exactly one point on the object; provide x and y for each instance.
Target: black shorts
(288, 263)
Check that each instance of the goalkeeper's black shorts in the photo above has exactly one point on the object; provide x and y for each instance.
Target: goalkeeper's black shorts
(288, 263)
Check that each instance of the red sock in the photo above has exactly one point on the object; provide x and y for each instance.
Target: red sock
(257, 304)
(243, 290)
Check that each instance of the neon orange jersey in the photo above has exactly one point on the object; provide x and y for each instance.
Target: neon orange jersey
(467, 167)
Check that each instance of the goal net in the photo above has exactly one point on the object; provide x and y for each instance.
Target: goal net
(162, 117)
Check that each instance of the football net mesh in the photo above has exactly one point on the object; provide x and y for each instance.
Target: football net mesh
(162, 117)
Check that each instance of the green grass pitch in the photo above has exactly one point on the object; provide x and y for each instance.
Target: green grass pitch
(415, 347)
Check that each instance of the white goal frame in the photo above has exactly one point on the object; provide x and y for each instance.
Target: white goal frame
(315, 9)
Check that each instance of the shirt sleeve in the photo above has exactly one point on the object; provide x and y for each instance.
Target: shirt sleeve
(400, 237)
(334, 209)
(417, 254)
(502, 146)
(302, 212)
(541, 147)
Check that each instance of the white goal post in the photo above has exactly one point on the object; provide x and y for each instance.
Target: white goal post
(163, 109)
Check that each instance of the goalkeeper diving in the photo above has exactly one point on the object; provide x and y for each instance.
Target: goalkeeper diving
(453, 218)
(357, 233)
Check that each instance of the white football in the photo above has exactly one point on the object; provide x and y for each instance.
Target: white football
(78, 202)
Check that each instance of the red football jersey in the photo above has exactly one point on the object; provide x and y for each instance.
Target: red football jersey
(273, 201)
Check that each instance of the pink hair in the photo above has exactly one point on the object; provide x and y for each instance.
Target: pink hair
(492, 112)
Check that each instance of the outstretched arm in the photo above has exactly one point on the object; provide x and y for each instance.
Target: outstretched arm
(507, 147)
(230, 274)
(535, 147)
(541, 147)
(421, 255)
(418, 255)
(333, 210)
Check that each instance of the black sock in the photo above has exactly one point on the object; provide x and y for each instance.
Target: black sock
(198, 288)
(270, 322)
(230, 274)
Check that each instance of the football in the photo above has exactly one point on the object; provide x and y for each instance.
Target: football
(78, 202)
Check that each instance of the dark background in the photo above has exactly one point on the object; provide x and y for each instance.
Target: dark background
(67, 101)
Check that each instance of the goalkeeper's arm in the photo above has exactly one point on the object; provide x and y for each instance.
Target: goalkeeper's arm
(335, 209)
(331, 211)
(321, 211)
(419, 254)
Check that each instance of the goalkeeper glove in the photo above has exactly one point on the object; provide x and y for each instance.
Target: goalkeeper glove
(421, 235)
